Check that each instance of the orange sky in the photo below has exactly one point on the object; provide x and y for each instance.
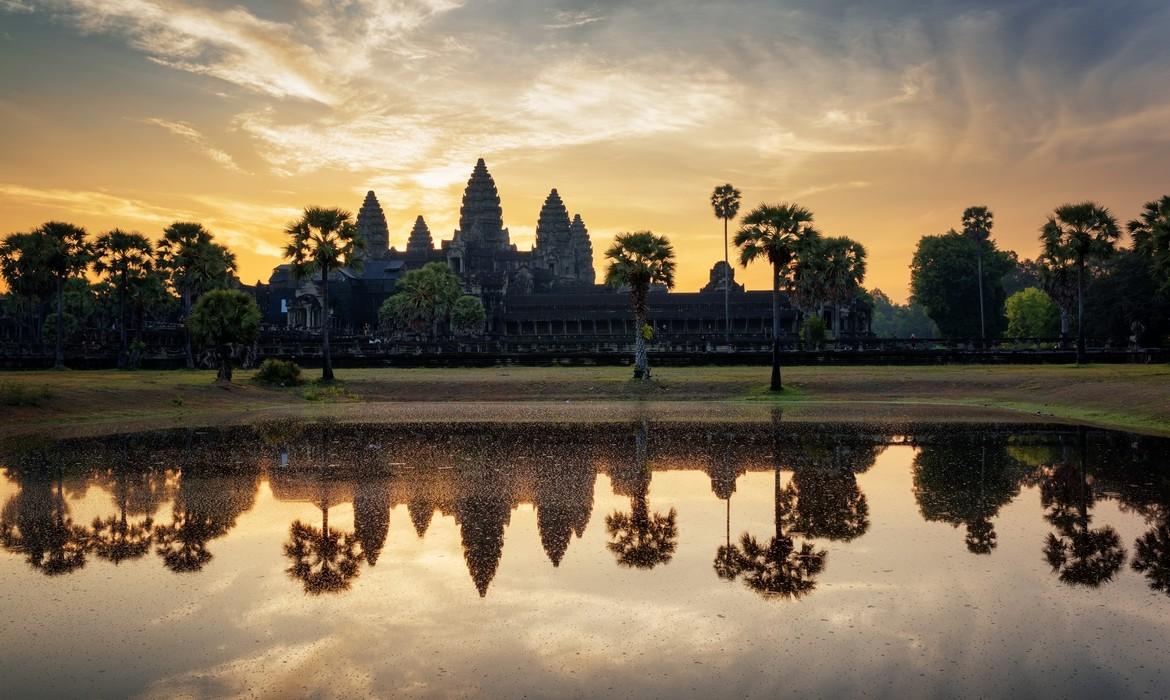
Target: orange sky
(885, 120)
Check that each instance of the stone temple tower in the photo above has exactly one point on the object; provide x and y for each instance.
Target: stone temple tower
(582, 251)
(420, 238)
(481, 219)
(371, 226)
(552, 236)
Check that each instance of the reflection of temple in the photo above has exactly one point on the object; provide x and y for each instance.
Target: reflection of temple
(550, 290)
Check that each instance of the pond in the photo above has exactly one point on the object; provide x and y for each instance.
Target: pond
(640, 559)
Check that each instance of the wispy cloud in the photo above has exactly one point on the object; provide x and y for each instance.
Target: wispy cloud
(566, 19)
(195, 137)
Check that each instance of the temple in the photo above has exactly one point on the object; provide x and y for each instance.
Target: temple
(548, 291)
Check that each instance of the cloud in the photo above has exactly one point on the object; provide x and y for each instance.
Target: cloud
(193, 135)
(566, 19)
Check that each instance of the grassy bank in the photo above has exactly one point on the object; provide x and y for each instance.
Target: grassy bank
(1116, 396)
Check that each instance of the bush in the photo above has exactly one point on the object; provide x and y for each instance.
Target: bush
(812, 333)
(279, 372)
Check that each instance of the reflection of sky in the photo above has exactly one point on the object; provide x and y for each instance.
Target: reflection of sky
(902, 610)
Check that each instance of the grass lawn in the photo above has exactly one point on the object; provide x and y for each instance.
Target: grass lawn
(1134, 397)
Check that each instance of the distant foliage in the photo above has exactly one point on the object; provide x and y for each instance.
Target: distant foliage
(890, 320)
(1032, 314)
(279, 372)
(424, 301)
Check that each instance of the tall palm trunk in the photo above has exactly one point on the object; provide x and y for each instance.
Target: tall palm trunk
(225, 364)
(1080, 311)
(641, 360)
(776, 383)
(59, 359)
(982, 316)
(726, 287)
(1063, 326)
(327, 359)
(122, 349)
(187, 331)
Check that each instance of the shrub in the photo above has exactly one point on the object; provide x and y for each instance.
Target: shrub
(328, 393)
(812, 333)
(279, 372)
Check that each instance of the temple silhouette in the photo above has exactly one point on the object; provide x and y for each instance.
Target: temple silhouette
(550, 290)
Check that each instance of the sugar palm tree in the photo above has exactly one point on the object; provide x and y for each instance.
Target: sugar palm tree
(1151, 237)
(193, 264)
(844, 272)
(126, 260)
(1058, 277)
(636, 261)
(324, 560)
(68, 256)
(641, 539)
(775, 233)
(1089, 233)
(321, 241)
(725, 201)
(977, 223)
(24, 267)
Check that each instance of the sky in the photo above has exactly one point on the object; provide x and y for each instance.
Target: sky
(886, 119)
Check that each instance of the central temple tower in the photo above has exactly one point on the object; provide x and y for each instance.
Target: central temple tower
(481, 219)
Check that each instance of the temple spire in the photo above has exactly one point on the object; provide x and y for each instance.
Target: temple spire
(420, 237)
(371, 226)
(481, 219)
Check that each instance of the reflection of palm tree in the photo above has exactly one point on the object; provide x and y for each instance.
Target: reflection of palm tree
(828, 504)
(1078, 554)
(37, 524)
(116, 539)
(780, 568)
(324, 560)
(641, 539)
(205, 508)
(1152, 557)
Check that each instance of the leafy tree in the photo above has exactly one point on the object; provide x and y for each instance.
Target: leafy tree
(1089, 233)
(725, 201)
(636, 261)
(776, 233)
(468, 315)
(1123, 302)
(193, 264)
(977, 223)
(890, 320)
(944, 279)
(126, 261)
(68, 256)
(1031, 314)
(425, 299)
(321, 241)
(223, 318)
(36, 523)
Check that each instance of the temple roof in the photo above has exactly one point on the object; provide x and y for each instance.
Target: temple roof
(480, 216)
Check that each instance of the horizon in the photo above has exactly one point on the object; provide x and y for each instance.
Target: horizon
(886, 123)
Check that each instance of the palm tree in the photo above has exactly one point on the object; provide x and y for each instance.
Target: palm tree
(323, 240)
(977, 223)
(324, 560)
(24, 267)
(36, 523)
(636, 261)
(193, 264)
(1151, 238)
(126, 260)
(69, 256)
(1089, 233)
(725, 202)
(1058, 277)
(777, 233)
(844, 272)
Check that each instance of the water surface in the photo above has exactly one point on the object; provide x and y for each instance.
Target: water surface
(640, 559)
